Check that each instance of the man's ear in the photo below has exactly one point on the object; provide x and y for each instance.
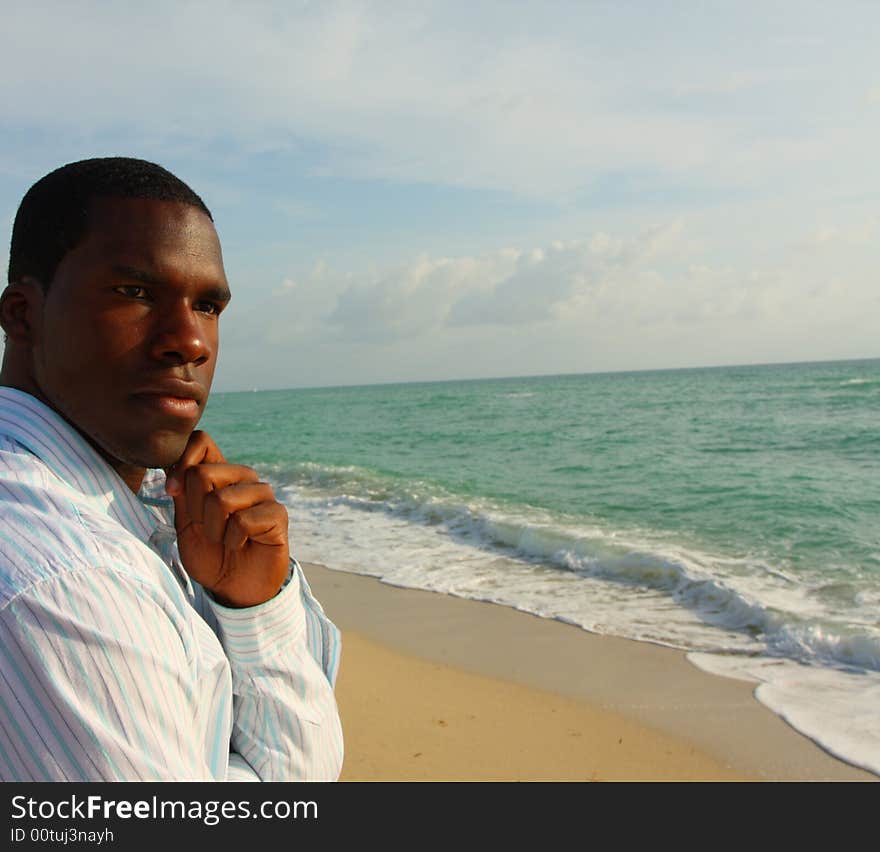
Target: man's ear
(21, 306)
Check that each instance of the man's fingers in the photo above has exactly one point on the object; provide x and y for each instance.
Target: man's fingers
(199, 449)
(265, 523)
(231, 531)
(202, 480)
(221, 503)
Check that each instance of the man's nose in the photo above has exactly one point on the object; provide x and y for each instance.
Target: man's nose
(181, 337)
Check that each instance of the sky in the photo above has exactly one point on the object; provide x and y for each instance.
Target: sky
(417, 191)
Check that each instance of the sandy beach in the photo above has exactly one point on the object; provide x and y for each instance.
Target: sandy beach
(434, 687)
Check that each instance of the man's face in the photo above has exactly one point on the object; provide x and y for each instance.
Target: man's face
(128, 338)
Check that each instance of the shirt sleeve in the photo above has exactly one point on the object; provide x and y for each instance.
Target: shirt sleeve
(284, 656)
(103, 678)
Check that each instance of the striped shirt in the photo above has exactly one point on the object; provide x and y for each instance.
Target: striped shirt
(114, 665)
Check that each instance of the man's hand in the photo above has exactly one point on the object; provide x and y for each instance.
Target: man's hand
(231, 531)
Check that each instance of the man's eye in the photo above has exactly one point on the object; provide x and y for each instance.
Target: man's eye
(132, 291)
(208, 307)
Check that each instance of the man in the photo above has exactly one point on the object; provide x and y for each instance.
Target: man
(151, 628)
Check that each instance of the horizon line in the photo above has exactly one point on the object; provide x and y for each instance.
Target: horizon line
(548, 375)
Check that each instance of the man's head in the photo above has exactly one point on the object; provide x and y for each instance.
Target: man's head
(116, 282)
(53, 216)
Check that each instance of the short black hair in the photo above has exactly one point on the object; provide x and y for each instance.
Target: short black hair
(53, 216)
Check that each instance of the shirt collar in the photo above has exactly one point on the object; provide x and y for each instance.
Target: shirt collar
(75, 462)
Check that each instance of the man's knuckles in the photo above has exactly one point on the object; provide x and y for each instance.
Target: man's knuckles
(212, 475)
(248, 505)
(209, 479)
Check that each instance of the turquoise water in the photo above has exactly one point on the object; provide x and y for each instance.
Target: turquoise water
(728, 511)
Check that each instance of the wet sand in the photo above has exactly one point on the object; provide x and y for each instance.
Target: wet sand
(433, 687)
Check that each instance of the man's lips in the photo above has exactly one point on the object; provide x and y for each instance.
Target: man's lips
(172, 396)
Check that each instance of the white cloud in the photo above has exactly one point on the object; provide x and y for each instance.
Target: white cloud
(408, 301)
(529, 100)
(858, 234)
(652, 299)
(548, 282)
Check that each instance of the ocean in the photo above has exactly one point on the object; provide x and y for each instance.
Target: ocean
(733, 512)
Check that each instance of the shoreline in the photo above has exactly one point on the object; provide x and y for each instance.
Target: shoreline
(434, 687)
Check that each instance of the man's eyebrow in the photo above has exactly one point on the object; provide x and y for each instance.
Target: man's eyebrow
(219, 293)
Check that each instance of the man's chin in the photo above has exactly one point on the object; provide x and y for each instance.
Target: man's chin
(161, 453)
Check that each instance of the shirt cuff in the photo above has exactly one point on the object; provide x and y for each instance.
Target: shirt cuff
(257, 633)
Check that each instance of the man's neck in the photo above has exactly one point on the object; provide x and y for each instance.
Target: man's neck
(131, 475)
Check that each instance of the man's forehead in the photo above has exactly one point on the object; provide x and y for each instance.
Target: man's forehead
(144, 229)
(121, 218)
